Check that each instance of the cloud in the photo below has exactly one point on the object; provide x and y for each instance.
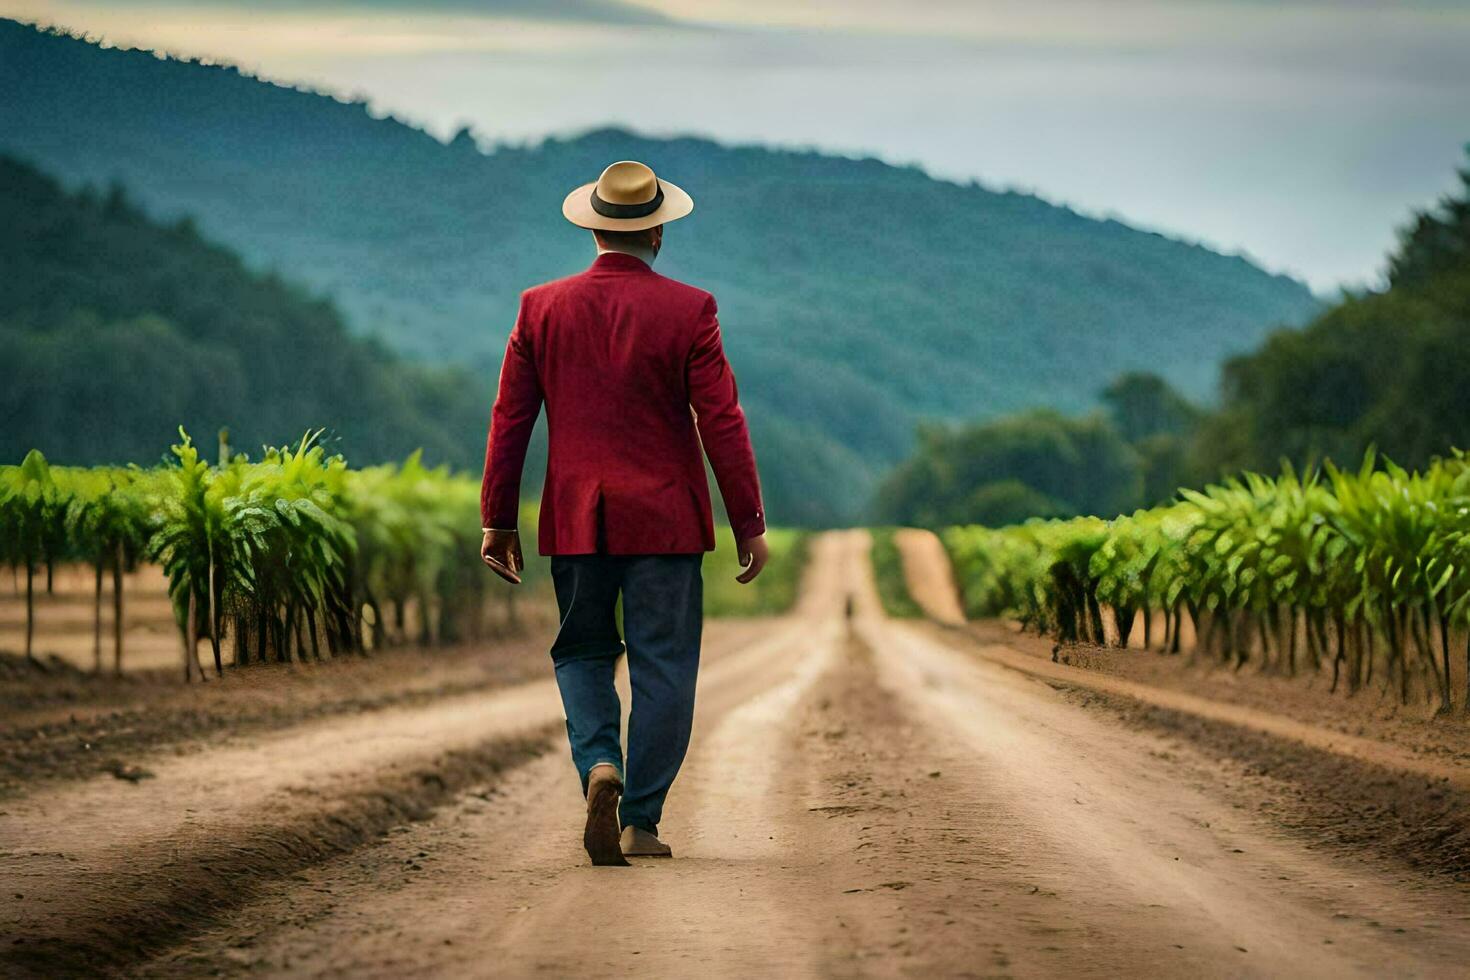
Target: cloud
(566, 11)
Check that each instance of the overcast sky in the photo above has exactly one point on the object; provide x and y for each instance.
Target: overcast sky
(1300, 132)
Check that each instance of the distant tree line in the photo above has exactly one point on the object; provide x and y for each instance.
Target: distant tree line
(1042, 463)
(1387, 368)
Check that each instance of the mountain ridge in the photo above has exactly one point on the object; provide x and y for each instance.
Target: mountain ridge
(858, 297)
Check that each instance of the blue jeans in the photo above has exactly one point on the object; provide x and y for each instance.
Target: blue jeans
(663, 615)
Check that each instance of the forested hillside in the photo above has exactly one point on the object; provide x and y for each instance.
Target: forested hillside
(1385, 369)
(857, 298)
(1390, 368)
(115, 330)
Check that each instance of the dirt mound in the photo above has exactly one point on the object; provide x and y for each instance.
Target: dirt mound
(16, 667)
(1366, 809)
(70, 724)
(172, 890)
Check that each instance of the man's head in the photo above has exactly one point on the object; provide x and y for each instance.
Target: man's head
(627, 206)
(644, 240)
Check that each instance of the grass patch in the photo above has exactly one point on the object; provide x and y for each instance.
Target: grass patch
(773, 591)
(893, 588)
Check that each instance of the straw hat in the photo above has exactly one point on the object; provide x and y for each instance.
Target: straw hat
(627, 197)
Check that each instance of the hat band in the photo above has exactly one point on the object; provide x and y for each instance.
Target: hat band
(608, 210)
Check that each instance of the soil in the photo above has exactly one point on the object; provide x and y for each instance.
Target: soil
(1439, 745)
(1308, 698)
(863, 797)
(63, 723)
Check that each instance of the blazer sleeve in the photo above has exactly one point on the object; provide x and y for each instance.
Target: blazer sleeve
(722, 428)
(517, 403)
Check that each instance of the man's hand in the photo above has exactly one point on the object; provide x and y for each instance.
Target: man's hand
(501, 550)
(754, 553)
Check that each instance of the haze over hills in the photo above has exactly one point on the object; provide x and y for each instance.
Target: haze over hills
(857, 298)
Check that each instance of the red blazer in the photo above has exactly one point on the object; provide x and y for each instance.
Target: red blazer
(620, 355)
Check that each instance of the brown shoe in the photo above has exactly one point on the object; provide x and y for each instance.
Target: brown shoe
(601, 835)
(639, 843)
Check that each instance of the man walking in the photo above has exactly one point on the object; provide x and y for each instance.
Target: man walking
(634, 378)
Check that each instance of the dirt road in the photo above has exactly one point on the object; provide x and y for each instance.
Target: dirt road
(930, 578)
(861, 799)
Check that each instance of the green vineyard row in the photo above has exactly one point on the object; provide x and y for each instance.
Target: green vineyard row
(296, 555)
(1356, 571)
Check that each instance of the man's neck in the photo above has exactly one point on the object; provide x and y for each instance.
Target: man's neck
(645, 255)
